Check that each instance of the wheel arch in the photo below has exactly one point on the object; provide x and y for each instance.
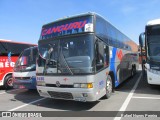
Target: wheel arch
(7, 74)
(111, 73)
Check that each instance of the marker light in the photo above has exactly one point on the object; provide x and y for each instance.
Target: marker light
(89, 85)
(83, 85)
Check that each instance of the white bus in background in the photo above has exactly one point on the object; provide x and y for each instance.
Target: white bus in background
(83, 58)
(150, 40)
(24, 74)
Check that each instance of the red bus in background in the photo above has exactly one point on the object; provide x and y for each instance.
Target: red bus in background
(9, 52)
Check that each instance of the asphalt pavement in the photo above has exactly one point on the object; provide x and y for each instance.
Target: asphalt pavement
(133, 95)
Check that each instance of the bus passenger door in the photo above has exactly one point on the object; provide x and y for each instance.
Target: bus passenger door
(102, 55)
(102, 63)
(99, 55)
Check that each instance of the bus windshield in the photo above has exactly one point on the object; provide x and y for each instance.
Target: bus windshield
(27, 60)
(72, 55)
(153, 38)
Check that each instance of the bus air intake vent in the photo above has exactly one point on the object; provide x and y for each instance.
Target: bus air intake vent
(61, 86)
(60, 95)
(22, 78)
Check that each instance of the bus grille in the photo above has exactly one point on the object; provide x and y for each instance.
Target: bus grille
(60, 95)
(22, 78)
(61, 86)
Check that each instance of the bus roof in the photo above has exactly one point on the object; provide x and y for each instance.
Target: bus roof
(153, 22)
(86, 14)
(10, 41)
(5, 40)
(80, 15)
(33, 47)
(70, 17)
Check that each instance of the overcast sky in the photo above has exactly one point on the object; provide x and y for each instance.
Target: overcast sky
(21, 20)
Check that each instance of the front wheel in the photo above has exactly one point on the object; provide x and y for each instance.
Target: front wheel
(133, 71)
(8, 82)
(108, 87)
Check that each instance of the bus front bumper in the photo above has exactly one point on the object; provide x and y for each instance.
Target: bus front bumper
(25, 84)
(77, 94)
(153, 77)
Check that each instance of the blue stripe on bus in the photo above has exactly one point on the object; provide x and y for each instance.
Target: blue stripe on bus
(9, 57)
(112, 65)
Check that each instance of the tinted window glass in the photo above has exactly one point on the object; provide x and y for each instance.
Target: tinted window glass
(14, 48)
(106, 30)
(3, 48)
(27, 60)
(106, 55)
(99, 55)
(153, 40)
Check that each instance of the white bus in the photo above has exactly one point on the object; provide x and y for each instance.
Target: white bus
(24, 74)
(150, 40)
(83, 58)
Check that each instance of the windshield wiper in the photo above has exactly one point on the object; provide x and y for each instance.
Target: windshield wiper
(66, 64)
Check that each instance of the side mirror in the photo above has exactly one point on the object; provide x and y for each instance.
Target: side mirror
(142, 39)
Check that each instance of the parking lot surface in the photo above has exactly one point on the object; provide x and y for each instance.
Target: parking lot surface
(133, 95)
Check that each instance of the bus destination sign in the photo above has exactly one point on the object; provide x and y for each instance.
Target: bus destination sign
(71, 27)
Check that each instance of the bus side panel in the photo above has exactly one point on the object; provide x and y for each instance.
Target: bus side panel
(113, 67)
(100, 83)
(6, 66)
(126, 65)
(120, 64)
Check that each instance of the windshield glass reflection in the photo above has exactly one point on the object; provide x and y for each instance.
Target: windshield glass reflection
(71, 55)
(27, 60)
(154, 42)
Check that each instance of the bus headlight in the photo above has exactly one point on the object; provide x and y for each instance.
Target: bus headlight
(83, 85)
(77, 85)
(41, 83)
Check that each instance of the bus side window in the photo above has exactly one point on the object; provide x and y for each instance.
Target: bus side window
(106, 56)
(3, 48)
(99, 55)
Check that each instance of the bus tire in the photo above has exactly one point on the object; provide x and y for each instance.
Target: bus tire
(8, 82)
(108, 87)
(133, 71)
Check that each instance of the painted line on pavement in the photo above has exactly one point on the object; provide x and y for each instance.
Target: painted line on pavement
(126, 102)
(153, 98)
(26, 104)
